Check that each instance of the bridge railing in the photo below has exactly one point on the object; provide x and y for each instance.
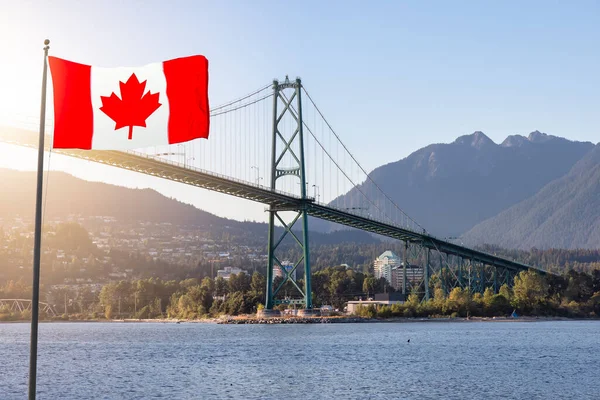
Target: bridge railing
(211, 173)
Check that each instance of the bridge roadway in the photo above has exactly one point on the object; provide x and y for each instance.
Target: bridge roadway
(150, 165)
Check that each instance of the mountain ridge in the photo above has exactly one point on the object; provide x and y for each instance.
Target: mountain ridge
(68, 195)
(450, 187)
(564, 214)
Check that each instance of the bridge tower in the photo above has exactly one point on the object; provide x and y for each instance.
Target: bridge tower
(287, 162)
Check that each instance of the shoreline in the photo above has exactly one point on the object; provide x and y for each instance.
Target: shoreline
(352, 319)
(253, 320)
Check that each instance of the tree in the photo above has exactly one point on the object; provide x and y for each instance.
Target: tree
(258, 284)
(239, 282)
(383, 286)
(74, 238)
(579, 287)
(369, 284)
(208, 284)
(107, 299)
(506, 292)
(238, 303)
(530, 290)
(595, 303)
(458, 302)
(498, 305)
(15, 290)
(439, 300)
(85, 300)
(220, 286)
(487, 301)
(187, 283)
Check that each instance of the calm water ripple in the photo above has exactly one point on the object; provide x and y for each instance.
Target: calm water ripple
(541, 360)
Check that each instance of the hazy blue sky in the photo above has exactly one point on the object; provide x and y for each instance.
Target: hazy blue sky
(407, 73)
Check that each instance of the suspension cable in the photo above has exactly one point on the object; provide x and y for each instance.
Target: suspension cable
(293, 108)
(241, 106)
(241, 98)
(356, 161)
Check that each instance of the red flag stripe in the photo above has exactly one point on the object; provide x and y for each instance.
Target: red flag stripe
(187, 91)
(73, 114)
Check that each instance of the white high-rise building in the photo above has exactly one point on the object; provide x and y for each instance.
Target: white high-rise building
(384, 264)
(389, 266)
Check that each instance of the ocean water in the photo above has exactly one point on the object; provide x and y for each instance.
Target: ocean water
(463, 360)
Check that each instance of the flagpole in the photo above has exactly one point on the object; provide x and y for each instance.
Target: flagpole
(35, 296)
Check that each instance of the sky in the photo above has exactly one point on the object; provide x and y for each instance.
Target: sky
(391, 76)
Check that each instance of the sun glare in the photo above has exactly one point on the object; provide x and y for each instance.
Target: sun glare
(15, 157)
(20, 79)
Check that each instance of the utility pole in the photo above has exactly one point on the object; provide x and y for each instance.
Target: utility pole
(65, 303)
(258, 177)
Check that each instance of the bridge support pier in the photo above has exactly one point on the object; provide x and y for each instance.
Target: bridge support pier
(443, 276)
(461, 285)
(404, 270)
(495, 279)
(268, 313)
(426, 274)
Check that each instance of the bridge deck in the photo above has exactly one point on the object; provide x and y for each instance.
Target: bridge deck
(149, 165)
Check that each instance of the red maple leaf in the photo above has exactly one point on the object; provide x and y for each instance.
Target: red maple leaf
(133, 108)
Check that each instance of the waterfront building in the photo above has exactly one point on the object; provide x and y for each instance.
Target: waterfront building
(381, 299)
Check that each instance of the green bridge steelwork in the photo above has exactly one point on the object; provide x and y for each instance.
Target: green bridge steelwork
(454, 265)
(20, 305)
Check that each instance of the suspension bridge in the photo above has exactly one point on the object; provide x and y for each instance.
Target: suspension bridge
(280, 131)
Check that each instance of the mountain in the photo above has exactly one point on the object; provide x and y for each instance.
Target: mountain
(67, 195)
(449, 188)
(563, 214)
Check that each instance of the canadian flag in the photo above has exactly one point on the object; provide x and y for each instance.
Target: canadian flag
(126, 108)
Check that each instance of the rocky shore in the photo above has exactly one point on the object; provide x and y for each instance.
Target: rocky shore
(353, 319)
(293, 320)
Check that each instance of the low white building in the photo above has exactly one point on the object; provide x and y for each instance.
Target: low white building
(381, 299)
(226, 272)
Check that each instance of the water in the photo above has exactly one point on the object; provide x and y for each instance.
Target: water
(474, 360)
